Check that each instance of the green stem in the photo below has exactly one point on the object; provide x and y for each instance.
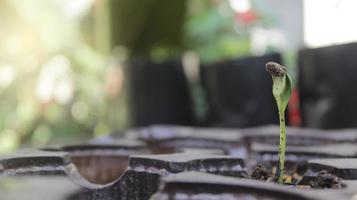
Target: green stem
(282, 146)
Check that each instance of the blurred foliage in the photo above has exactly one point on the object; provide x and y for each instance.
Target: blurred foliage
(212, 31)
(61, 77)
(160, 29)
(150, 28)
(54, 84)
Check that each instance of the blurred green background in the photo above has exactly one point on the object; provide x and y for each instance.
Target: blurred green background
(61, 61)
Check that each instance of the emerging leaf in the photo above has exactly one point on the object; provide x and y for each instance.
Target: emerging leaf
(282, 84)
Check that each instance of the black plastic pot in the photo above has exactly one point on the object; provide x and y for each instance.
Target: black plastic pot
(158, 93)
(239, 92)
(326, 78)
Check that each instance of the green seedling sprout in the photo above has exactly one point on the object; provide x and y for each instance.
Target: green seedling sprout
(281, 92)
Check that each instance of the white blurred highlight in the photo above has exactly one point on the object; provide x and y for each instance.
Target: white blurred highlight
(7, 75)
(262, 39)
(240, 6)
(328, 22)
(76, 8)
(54, 82)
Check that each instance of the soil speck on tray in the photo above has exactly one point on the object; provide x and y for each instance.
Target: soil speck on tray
(326, 180)
(261, 173)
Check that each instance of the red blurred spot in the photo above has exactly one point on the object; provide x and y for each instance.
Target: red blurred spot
(246, 17)
(294, 109)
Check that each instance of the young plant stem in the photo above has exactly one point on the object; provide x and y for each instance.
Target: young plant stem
(282, 147)
(282, 86)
